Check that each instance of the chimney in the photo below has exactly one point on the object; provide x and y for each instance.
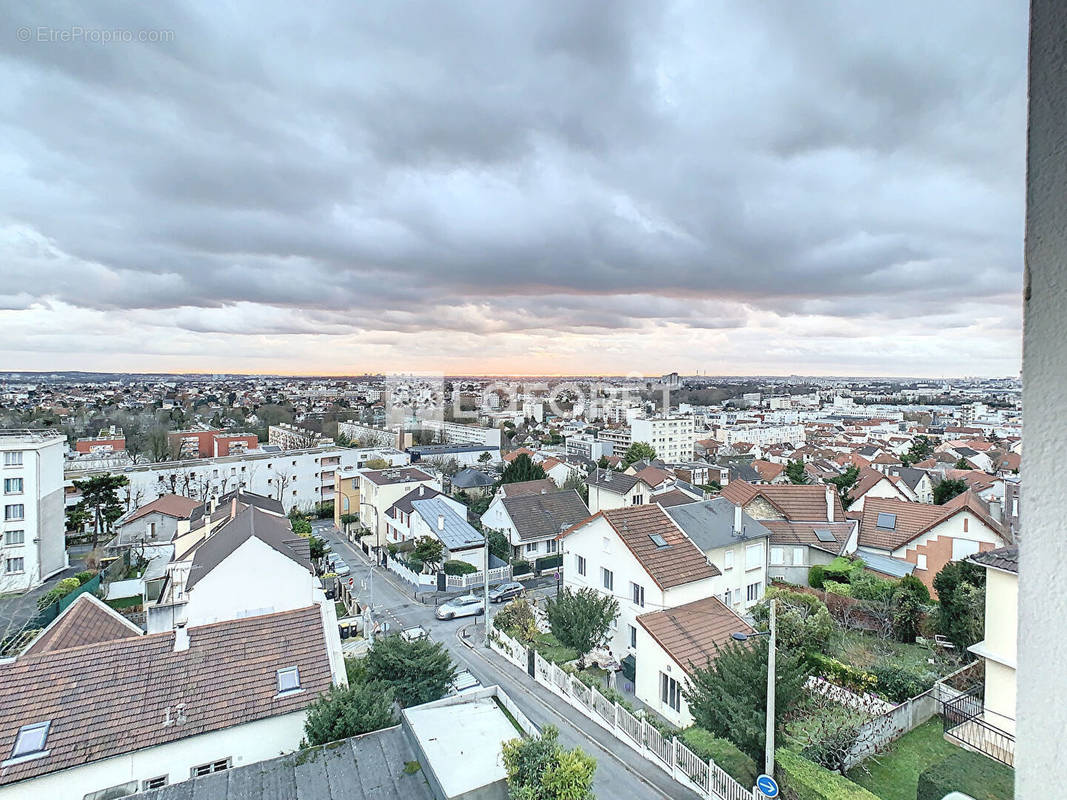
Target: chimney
(181, 637)
(422, 490)
(737, 520)
(440, 522)
(830, 503)
(996, 510)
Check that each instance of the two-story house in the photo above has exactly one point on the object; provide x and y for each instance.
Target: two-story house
(379, 489)
(610, 489)
(736, 543)
(532, 522)
(807, 524)
(642, 558)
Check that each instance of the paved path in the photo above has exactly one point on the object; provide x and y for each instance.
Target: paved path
(621, 773)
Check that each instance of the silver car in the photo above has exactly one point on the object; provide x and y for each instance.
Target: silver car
(466, 606)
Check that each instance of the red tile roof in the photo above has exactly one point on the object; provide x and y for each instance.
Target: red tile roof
(914, 519)
(679, 562)
(85, 621)
(693, 634)
(796, 502)
(171, 505)
(113, 697)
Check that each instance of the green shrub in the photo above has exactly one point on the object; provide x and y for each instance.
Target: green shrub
(84, 577)
(805, 780)
(548, 562)
(974, 775)
(458, 568)
(816, 575)
(835, 587)
(724, 753)
(67, 585)
(897, 682)
(838, 570)
(520, 567)
(842, 674)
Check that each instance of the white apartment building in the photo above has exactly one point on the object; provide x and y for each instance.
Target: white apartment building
(762, 435)
(300, 478)
(671, 437)
(457, 433)
(293, 437)
(582, 444)
(32, 542)
(618, 438)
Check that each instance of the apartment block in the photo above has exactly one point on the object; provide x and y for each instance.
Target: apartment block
(671, 437)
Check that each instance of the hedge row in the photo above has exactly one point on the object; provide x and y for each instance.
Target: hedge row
(974, 775)
(724, 753)
(805, 780)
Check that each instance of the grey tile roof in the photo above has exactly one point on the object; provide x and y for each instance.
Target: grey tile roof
(252, 522)
(710, 523)
(542, 516)
(404, 503)
(1003, 558)
(368, 767)
(458, 534)
(886, 565)
(470, 478)
(612, 481)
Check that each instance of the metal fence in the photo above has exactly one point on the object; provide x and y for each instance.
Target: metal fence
(669, 753)
(963, 718)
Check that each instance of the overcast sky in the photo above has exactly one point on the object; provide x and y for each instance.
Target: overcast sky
(824, 187)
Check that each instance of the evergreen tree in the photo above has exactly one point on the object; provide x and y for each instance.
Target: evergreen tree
(345, 711)
(794, 470)
(638, 451)
(417, 671)
(581, 618)
(522, 468)
(947, 489)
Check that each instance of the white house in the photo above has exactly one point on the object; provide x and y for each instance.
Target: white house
(674, 641)
(32, 539)
(154, 522)
(379, 489)
(872, 483)
(439, 518)
(400, 516)
(102, 710)
(532, 522)
(734, 542)
(643, 559)
(610, 489)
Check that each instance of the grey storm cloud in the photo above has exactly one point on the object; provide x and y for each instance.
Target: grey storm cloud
(592, 165)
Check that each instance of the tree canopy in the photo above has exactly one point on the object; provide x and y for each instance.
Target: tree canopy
(947, 489)
(101, 501)
(417, 671)
(794, 470)
(522, 468)
(638, 451)
(581, 618)
(539, 768)
(844, 483)
(960, 587)
(728, 696)
(352, 710)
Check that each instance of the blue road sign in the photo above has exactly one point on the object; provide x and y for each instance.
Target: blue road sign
(767, 785)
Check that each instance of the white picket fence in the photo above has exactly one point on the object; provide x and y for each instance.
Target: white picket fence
(681, 763)
(429, 582)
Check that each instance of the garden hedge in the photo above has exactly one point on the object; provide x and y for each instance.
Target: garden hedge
(458, 568)
(724, 753)
(548, 562)
(970, 773)
(805, 780)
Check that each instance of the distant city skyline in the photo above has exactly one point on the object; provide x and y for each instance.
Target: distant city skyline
(555, 188)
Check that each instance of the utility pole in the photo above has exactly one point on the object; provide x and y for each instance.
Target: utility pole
(769, 753)
(485, 585)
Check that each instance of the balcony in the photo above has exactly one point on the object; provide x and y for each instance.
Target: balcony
(968, 724)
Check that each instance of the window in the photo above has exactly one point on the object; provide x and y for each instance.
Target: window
(13, 458)
(658, 540)
(15, 537)
(728, 597)
(729, 563)
(288, 679)
(637, 500)
(637, 592)
(608, 579)
(14, 511)
(670, 692)
(14, 565)
(920, 561)
(154, 783)
(31, 739)
(633, 637)
(962, 548)
(12, 485)
(531, 547)
(752, 591)
(552, 545)
(207, 769)
(121, 790)
(798, 555)
(753, 556)
(777, 555)
(581, 565)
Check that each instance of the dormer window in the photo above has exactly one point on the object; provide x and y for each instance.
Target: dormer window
(30, 740)
(288, 680)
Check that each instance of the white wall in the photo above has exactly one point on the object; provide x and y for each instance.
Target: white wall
(245, 744)
(651, 662)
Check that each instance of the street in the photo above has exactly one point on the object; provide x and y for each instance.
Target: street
(621, 772)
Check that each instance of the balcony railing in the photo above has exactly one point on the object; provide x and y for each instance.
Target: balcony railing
(966, 723)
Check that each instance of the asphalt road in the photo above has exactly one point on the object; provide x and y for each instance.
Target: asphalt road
(621, 773)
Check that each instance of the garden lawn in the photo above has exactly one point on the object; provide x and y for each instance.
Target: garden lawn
(864, 650)
(894, 774)
(552, 650)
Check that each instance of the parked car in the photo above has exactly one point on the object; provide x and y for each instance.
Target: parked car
(464, 682)
(339, 567)
(466, 606)
(506, 591)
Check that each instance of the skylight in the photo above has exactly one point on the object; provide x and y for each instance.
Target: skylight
(824, 535)
(888, 521)
(288, 679)
(30, 739)
(658, 540)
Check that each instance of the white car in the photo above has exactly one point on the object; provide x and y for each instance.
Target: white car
(414, 633)
(466, 606)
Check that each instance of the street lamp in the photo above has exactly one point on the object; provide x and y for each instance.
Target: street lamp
(768, 756)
